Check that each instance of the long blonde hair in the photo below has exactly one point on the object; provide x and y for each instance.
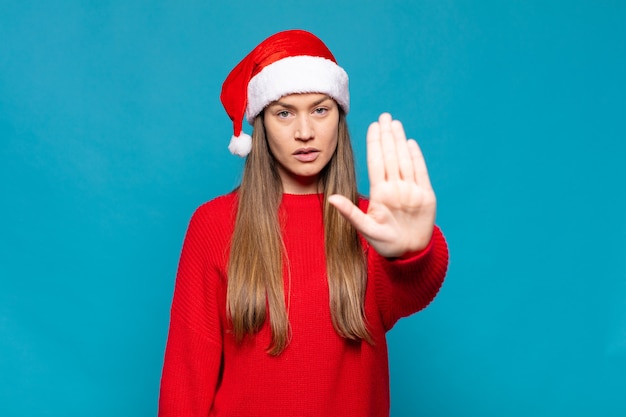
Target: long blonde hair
(255, 275)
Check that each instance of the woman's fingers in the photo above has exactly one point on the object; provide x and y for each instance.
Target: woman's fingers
(375, 163)
(352, 213)
(388, 148)
(389, 157)
(405, 161)
(419, 164)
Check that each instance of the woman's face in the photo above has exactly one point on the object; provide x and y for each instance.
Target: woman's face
(301, 131)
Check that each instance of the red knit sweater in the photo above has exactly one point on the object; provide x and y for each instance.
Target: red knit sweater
(206, 373)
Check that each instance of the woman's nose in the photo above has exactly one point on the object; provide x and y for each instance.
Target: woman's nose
(304, 129)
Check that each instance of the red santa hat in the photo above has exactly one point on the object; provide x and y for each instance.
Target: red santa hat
(293, 61)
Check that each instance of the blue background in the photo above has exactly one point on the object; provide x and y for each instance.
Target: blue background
(111, 133)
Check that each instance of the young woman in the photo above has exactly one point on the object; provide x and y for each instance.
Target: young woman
(287, 286)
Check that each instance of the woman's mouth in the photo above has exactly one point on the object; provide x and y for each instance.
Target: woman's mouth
(306, 154)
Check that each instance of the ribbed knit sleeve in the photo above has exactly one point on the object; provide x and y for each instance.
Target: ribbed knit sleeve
(194, 345)
(406, 286)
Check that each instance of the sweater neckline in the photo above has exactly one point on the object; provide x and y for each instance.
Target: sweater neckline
(289, 195)
(314, 199)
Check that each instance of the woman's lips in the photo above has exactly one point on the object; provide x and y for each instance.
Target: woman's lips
(306, 154)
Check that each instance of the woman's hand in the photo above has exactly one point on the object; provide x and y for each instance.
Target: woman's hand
(401, 215)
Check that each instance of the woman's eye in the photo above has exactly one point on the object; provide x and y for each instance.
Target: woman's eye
(320, 110)
(283, 114)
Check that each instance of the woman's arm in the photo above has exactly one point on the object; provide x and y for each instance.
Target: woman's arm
(194, 347)
(406, 286)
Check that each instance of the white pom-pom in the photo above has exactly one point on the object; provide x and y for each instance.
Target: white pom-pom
(240, 145)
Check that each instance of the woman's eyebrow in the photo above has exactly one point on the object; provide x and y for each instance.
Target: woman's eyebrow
(281, 104)
(320, 101)
(291, 106)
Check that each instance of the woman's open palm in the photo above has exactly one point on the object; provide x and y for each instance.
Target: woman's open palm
(402, 207)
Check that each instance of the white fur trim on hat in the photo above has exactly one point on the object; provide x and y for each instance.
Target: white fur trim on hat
(240, 145)
(297, 74)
